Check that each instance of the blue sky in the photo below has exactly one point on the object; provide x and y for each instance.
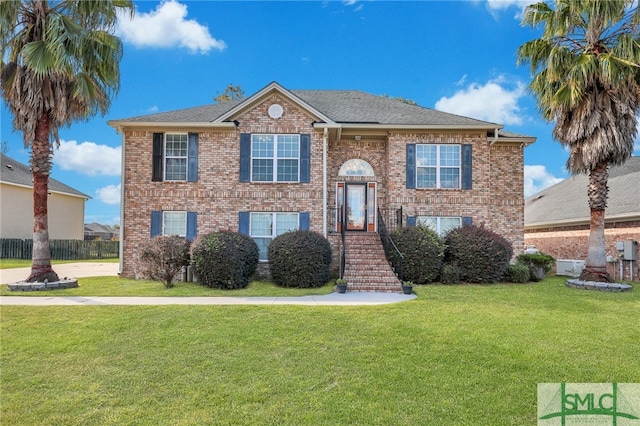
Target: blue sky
(456, 56)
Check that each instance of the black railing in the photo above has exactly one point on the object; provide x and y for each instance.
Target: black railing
(390, 249)
(343, 252)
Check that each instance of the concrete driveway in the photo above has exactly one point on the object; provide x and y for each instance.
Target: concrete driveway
(69, 270)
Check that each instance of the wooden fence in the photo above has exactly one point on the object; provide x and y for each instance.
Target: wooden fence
(61, 249)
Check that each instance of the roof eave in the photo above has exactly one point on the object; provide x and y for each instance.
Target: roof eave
(583, 221)
(320, 125)
(53, 191)
(120, 124)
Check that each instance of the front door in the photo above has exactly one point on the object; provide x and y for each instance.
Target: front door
(356, 206)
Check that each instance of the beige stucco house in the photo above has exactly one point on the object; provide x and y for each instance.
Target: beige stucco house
(324, 160)
(65, 204)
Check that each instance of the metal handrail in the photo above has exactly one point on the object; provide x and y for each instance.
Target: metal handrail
(343, 252)
(388, 244)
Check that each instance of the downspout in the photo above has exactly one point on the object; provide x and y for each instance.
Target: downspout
(121, 245)
(325, 138)
(495, 137)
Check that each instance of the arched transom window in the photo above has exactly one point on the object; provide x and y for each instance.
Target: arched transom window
(356, 167)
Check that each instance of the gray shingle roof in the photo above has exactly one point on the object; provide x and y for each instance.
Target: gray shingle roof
(341, 106)
(567, 201)
(14, 172)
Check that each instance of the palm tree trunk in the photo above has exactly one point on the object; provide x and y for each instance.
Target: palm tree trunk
(41, 152)
(596, 264)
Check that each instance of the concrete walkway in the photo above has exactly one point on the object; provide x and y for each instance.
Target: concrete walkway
(79, 270)
(347, 299)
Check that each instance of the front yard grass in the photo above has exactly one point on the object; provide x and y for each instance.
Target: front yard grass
(467, 354)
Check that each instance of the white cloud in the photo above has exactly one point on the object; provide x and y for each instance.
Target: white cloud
(88, 158)
(493, 102)
(537, 178)
(496, 6)
(167, 27)
(109, 194)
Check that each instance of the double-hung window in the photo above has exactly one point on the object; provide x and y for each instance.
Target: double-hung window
(174, 223)
(275, 158)
(264, 227)
(175, 158)
(437, 166)
(441, 225)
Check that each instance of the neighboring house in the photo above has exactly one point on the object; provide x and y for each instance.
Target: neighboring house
(65, 205)
(557, 218)
(294, 159)
(94, 230)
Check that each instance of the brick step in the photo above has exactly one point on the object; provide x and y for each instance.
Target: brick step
(366, 267)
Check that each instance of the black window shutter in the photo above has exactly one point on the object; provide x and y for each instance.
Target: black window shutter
(411, 166)
(303, 218)
(411, 221)
(243, 222)
(158, 157)
(156, 223)
(192, 159)
(305, 158)
(467, 180)
(192, 225)
(467, 221)
(245, 157)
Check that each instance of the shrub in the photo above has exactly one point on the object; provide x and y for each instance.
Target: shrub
(538, 263)
(300, 259)
(518, 273)
(449, 274)
(482, 256)
(423, 252)
(224, 259)
(163, 257)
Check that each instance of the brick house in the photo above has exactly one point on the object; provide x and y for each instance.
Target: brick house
(557, 218)
(296, 159)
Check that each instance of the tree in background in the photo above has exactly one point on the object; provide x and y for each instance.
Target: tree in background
(231, 93)
(60, 64)
(586, 77)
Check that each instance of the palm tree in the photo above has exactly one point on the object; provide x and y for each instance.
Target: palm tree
(586, 77)
(60, 63)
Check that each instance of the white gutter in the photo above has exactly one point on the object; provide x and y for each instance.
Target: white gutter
(495, 136)
(120, 124)
(344, 126)
(325, 137)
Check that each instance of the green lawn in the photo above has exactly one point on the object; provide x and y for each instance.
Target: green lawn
(468, 354)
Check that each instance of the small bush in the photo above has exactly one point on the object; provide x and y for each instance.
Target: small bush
(518, 273)
(163, 257)
(300, 259)
(538, 263)
(225, 260)
(449, 274)
(423, 252)
(482, 256)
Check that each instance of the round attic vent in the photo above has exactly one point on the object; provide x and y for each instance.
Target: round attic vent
(275, 111)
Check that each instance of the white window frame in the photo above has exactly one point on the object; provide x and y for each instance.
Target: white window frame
(423, 220)
(273, 228)
(167, 157)
(274, 157)
(174, 213)
(439, 167)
